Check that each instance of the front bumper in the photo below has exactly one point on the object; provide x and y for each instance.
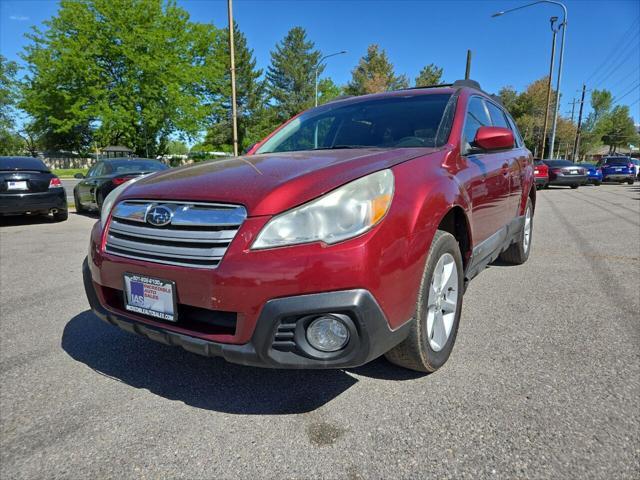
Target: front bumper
(33, 202)
(542, 181)
(280, 318)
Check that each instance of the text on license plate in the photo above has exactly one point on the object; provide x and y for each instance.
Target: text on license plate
(150, 296)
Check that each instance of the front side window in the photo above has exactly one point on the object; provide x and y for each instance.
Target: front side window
(497, 116)
(389, 122)
(477, 117)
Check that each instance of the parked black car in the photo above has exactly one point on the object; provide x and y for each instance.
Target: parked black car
(28, 186)
(106, 175)
(564, 172)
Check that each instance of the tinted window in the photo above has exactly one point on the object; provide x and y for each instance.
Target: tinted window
(22, 163)
(477, 117)
(124, 166)
(389, 122)
(497, 117)
(617, 161)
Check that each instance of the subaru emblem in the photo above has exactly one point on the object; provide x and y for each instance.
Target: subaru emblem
(159, 216)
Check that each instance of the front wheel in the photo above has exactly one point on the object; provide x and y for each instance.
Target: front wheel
(630, 182)
(518, 252)
(597, 184)
(574, 186)
(438, 308)
(79, 207)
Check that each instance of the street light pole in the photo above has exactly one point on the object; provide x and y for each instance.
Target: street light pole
(546, 112)
(234, 111)
(318, 65)
(564, 32)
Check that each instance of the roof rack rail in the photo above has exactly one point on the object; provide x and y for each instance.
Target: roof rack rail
(439, 85)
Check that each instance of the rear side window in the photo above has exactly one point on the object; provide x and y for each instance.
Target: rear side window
(497, 116)
(23, 163)
(516, 132)
(477, 116)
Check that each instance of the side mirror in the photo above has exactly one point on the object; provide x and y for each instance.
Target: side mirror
(494, 138)
(78, 175)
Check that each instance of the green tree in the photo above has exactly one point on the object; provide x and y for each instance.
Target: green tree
(509, 98)
(8, 93)
(374, 73)
(251, 98)
(291, 75)
(600, 103)
(328, 90)
(429, 75)
(120, 72)
(176, 147)
(616, 129)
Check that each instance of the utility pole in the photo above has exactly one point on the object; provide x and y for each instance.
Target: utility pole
(467, 71)
(573, 108)
(554, 31)
(234, 112)
(576, 144)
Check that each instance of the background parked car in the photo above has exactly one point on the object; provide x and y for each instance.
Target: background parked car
(566, 173)
(28, 186)
(541, 172)
(594, 173)
(618, 169)
(636, 164)
(106, 175)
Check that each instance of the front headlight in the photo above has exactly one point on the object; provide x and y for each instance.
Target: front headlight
(341, 214)
(110, 201)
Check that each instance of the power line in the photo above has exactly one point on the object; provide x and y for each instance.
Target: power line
(614, 69)
(617, 99)
(616, 49)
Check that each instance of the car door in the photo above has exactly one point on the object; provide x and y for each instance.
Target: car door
(88, 185)
(100, 177)
(487, 181)
(513, 161)
(84, 184)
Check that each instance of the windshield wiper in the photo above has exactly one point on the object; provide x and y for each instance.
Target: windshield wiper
(340, 147)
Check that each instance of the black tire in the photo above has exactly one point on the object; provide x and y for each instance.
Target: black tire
(574, 186)
(79, 207)
(61, 215)
(99, 200)
(630, 182)
(546, 186)
(597, 184)
(415, 352)
(518, 252)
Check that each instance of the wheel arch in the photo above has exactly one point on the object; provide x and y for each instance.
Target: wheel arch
(456, 222)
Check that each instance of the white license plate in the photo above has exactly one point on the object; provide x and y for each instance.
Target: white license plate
(618, 169)
(150, 296)
(572, 172)
(13, 185)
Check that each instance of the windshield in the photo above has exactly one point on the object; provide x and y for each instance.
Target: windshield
(616, 161)
(124, 166)
(390, 122)
(22, 163)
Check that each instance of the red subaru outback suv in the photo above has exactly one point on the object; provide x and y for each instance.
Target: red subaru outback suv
(348, 233)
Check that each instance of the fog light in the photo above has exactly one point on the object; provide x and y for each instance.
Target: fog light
(327, 333)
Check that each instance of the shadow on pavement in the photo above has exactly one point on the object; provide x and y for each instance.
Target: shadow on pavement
(17, 220)
(208, 383)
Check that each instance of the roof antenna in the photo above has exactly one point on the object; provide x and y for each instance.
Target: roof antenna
(468, 69)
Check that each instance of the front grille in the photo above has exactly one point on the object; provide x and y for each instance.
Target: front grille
(198, 234)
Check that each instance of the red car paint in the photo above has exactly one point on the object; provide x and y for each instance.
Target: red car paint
(541, 173)
(489, 190)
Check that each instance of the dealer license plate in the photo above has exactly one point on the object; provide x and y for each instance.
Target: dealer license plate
(150, 296)
(13, 185)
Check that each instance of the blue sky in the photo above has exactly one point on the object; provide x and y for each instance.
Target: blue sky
(509, 50)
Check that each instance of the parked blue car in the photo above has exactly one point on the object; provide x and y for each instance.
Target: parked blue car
(618, 169)
(594, 173)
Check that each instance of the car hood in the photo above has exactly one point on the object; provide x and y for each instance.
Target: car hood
(267, 184)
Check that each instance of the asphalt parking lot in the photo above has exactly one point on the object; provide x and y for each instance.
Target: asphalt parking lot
(544, 381)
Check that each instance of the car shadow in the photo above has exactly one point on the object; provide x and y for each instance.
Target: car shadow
(18, 220)
(209, 383)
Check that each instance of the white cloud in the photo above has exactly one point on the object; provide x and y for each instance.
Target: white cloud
(19, 18)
